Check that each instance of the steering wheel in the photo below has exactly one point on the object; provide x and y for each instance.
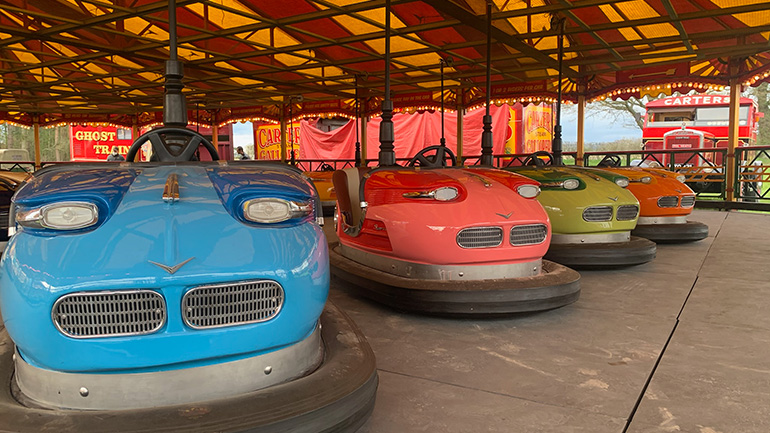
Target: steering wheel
(610, 161)
(535, 160)
(172, 144)
(438, 159)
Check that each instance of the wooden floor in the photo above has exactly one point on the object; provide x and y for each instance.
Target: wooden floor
(678, 344)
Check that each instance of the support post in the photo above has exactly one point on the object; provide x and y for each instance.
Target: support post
(581, 115)
(364, 140)
(283, 137)
(135, 135)
(486, 135)
(460, 114)
(731, 178)
(387, 156)
(215, 134)
(36, 128)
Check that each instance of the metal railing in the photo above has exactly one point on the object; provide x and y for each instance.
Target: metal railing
(704, 169)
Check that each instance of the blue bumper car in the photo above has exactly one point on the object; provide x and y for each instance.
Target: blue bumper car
(175, 296)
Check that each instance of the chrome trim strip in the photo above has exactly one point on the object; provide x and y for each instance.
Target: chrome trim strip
(590, 238)
(119, 391)
(422, 271)
(171, 190)
(161, 321)
(662, 220)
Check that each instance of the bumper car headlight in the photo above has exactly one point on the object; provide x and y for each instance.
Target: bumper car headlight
(445, 193)
(681, 178)
(275, 210)
(570, 184)
(68, 215)
(622, 182)
(646, 179)
(528, 191)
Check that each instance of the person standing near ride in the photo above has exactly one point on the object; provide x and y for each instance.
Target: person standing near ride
(115, 156)
(240, 154)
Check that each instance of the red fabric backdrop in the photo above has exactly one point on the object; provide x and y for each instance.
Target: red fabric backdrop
(413, 132)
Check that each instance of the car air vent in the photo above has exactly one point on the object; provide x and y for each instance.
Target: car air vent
(529, 234)
(688, 201)
(627, 212)
(668, 201)
(233, 304)
(597, 213)
(109, 314)
(480, 237)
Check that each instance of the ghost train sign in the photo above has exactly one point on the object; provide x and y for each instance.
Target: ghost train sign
(94, 143)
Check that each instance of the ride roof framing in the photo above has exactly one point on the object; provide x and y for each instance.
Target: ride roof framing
(97, 61)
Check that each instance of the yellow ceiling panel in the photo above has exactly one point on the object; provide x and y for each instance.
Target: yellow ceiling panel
(282, 39)
(61, 49)
(399, 44)
(139, 26)
(658, 30)
(25, 57)
(222, 18)
(225, 65)
(292, 60)
(261, 37)
(518, 23)
(378, 15)
(246, 81)
(754, 19)
(356, 26)
(668, 59)
(188, 54)
(630, 34)
(636, 10)
(421, 59)
(122, 61)
(512, 5)
(151, 76)
(325, 72)
(611, 13)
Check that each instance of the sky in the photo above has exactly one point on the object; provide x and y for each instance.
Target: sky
(598, 129)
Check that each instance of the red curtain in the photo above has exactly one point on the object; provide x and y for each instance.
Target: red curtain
(413, 132)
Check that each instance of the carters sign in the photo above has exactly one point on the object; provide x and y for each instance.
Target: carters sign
(267, 142)
(696, 100)
(94, 143)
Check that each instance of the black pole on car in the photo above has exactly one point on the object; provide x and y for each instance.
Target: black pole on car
(174, 109)
(358, 143)
(387, 156)
(556, 145)
(441, 95)
(486, 135)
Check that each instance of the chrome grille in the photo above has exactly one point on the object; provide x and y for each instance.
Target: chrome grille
(688, 201)
(232, 304)
(597, 213)
(668, 201)
(627, 212)
(528, 235)
(480, 237)
(109, 314)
